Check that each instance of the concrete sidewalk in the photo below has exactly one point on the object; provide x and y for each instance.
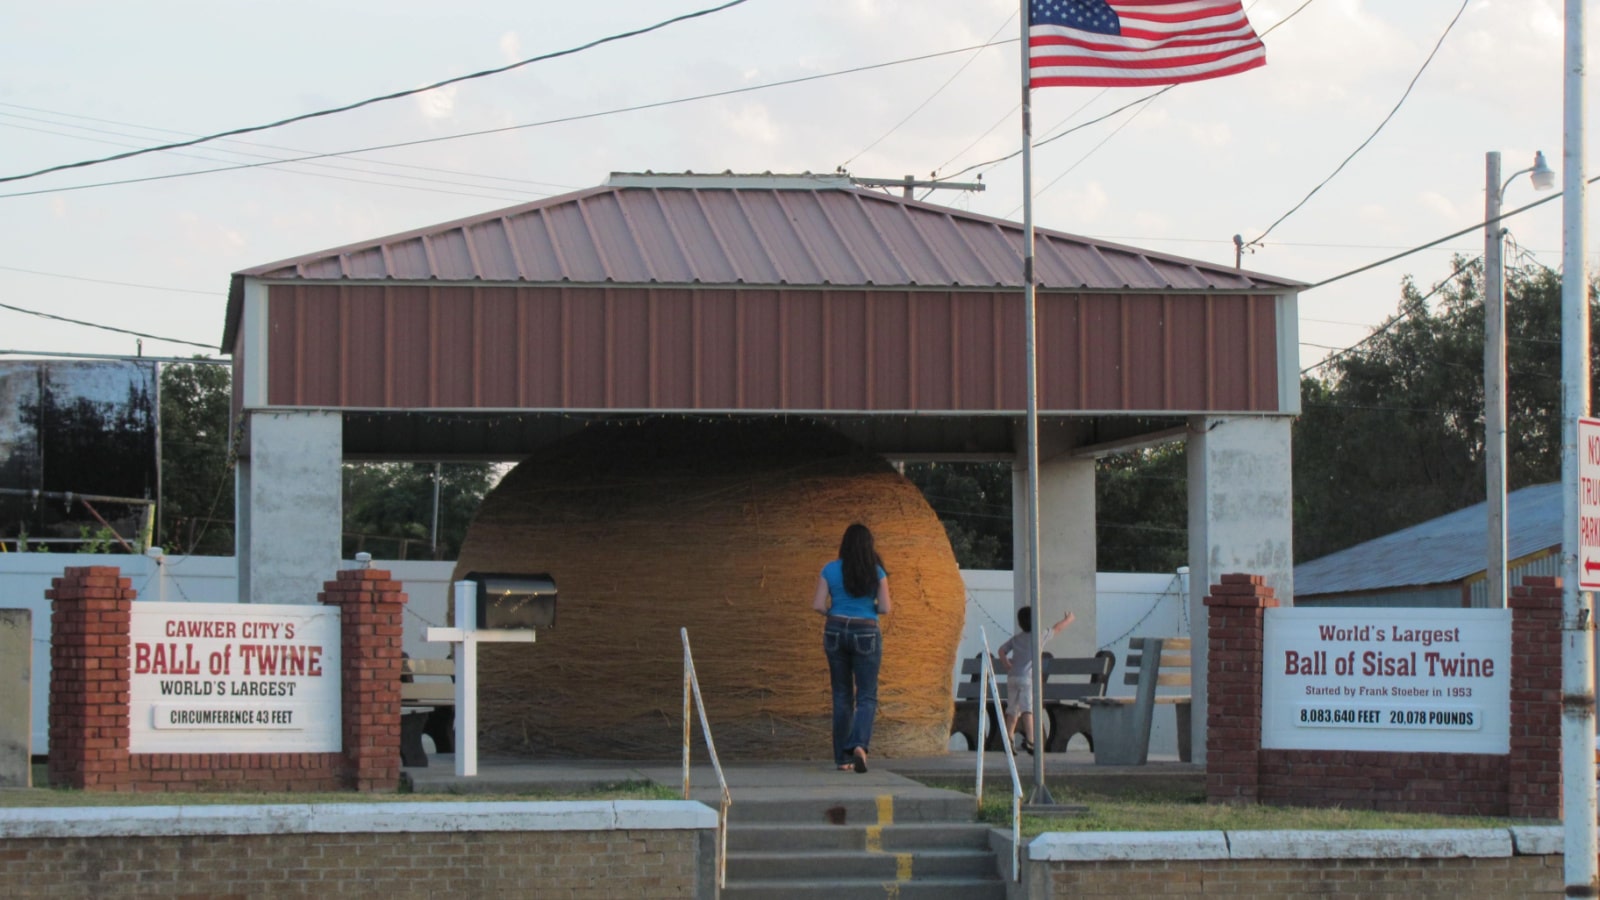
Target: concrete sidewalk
(902, 777)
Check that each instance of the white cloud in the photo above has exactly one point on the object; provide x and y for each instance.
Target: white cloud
(439, 103)
(1086, 204)
(1440, 204)
(511, 47)
(1210, 134)
(753, 122)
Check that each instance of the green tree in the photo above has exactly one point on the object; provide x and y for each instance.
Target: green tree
(1392, 433)
(1142, 510)
(388, 507)
(973, 502)
(197, 464)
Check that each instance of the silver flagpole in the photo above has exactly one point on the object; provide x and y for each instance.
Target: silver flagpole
(1041, 794)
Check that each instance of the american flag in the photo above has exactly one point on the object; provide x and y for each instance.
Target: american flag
(1130, 43)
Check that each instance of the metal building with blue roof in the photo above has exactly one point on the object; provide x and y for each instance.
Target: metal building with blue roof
(1439, 563)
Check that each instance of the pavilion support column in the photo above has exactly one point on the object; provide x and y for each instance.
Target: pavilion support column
(1066, 541)
(290, 512)
(1241, 519)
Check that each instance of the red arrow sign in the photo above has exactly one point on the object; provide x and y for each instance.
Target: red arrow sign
(1590, 567)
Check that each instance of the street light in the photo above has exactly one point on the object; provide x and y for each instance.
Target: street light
(1494, 360)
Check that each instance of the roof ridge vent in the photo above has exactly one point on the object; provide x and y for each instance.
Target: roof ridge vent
(804, 181)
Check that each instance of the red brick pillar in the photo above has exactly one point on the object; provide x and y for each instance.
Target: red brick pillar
(1234, 660)
(1533, 788)
(371, 605)
(91, 609)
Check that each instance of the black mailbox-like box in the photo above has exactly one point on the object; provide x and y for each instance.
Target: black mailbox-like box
(511, 601)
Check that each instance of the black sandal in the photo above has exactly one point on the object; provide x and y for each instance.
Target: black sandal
(860, 763)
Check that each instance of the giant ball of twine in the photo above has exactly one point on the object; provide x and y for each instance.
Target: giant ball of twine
(720, 528)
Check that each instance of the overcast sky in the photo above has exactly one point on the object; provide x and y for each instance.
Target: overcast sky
(1181, 174)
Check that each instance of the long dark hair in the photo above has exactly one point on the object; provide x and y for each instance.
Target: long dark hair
(859, 559)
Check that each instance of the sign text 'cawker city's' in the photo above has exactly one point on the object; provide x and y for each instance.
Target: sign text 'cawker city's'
(211, 677)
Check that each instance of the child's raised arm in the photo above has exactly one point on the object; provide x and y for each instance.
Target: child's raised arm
(1061, 626)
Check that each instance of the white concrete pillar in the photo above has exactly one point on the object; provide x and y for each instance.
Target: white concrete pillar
(1066, 542)
(290, 511)
(1241, 519)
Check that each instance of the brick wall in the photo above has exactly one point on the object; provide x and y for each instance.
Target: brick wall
(1237, 608)
(91, 611)
(600, 865)
(1525, 784)
(1506, 878)
(371, 605)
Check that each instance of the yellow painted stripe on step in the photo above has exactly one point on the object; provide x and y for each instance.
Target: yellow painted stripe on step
(902, 866)
(874, 836)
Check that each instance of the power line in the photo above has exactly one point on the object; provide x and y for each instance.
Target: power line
(1363, 145)
(371, 100)
(578, 117)
(1435, 242)
(923, 104)
(148, 287)
(1396, 319)
(542, 185)
(350, 169)
(1151, 96)
(154, 337)
(1018, 152)
(1090, 152)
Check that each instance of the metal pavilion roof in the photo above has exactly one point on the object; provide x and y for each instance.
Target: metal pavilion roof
(1440, 551)
(747, 230)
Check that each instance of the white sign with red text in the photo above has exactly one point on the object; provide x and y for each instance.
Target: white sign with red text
(1400, 679)
(234, 678)
(1589, 504)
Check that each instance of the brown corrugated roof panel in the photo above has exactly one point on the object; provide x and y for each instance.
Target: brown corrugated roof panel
(739, 230)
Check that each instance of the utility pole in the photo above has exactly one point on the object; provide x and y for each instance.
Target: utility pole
(910, 183)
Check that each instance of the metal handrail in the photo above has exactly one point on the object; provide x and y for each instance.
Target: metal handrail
(691, 686)
(993, 684)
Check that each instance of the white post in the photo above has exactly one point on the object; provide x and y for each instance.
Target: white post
(466, 636)
(1577, 667)
(159, 557)
(1494, 390)
(467, 680)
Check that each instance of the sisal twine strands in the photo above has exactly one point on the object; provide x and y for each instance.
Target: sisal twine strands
(720, 527)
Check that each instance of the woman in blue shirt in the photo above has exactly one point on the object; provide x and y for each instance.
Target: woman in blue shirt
(852, 592)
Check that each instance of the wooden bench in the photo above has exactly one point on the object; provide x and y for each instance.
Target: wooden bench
(1123, 723)
(427, 707)
(1069, 682)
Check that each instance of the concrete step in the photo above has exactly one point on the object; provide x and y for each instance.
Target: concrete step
(867, 889)
(918, 865)
(928, 805)
(778, 837)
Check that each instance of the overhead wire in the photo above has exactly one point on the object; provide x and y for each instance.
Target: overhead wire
(543, 185)
(153, 337)
(1090, 152)
(577, 117)
(989, 164)
(379, 99)
(347, 178)
(909, 116)
(148, 287)
(1256, 242)
(1394, 320)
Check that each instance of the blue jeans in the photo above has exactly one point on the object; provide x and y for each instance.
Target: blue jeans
(855, 651)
